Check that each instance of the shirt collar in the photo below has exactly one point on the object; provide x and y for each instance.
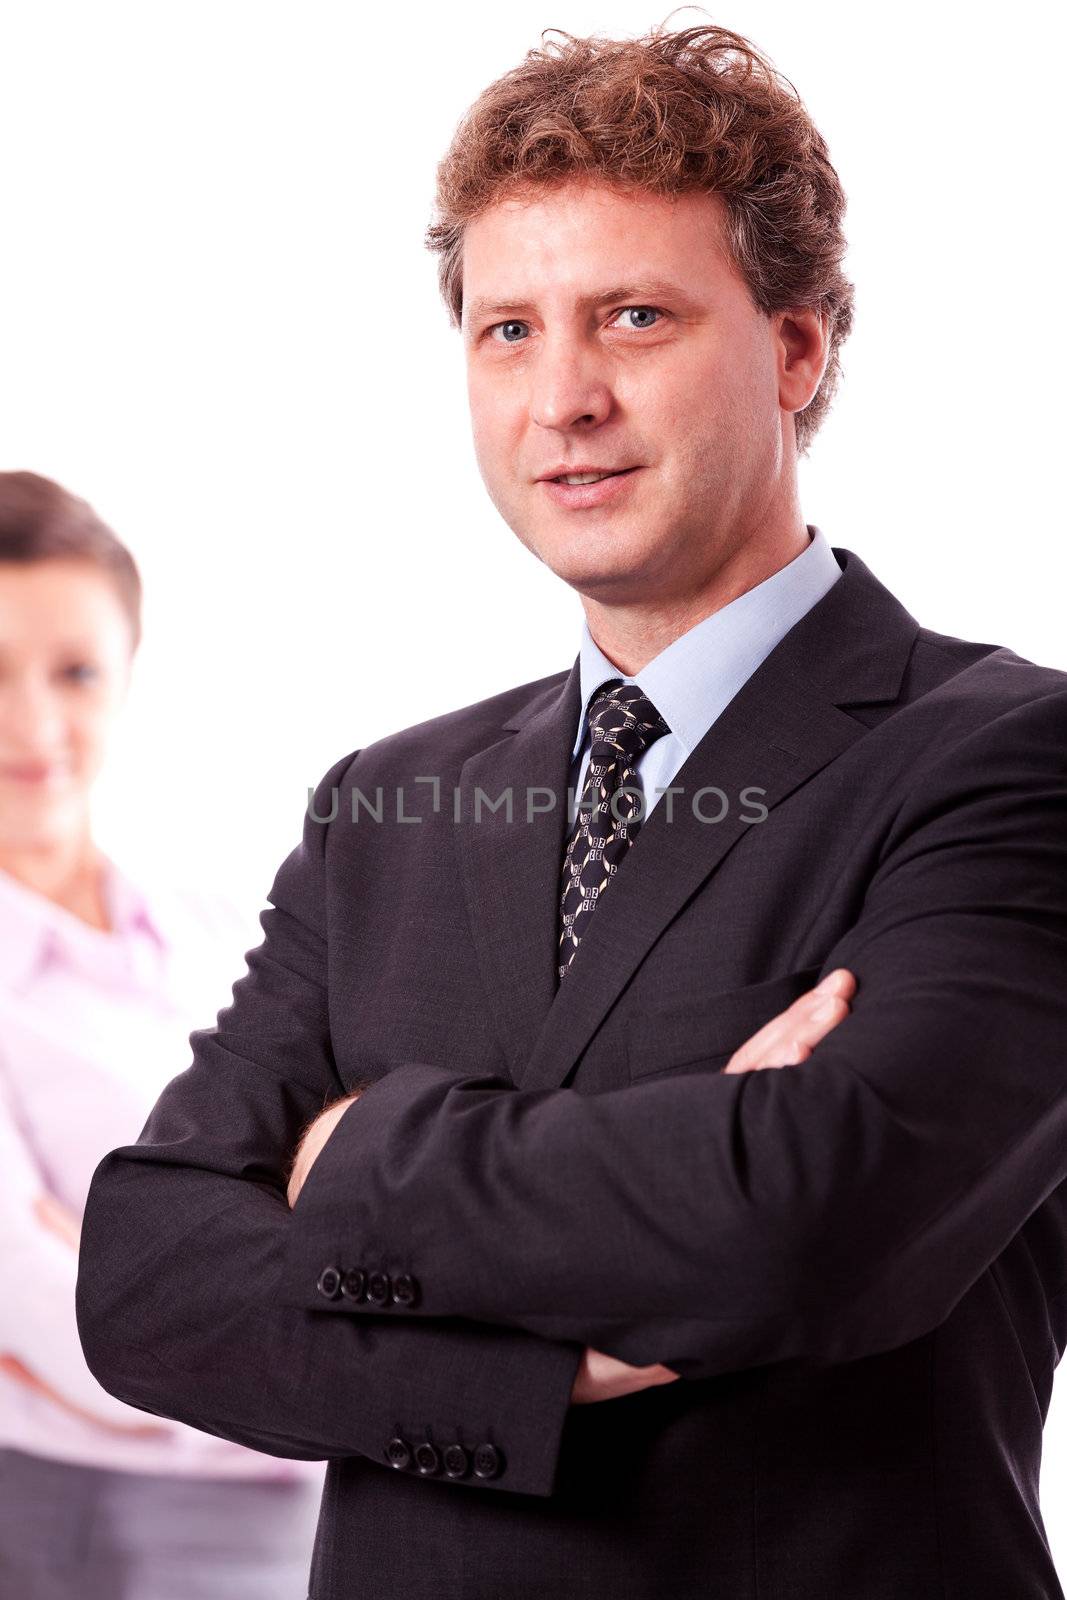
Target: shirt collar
(693, 680)
(35, 930)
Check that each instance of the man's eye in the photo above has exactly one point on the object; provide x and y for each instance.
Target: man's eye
(507, 327)
(641, 311)
(649, 316)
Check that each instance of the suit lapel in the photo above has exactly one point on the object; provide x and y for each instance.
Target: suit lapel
(511, 869)
(782, 727)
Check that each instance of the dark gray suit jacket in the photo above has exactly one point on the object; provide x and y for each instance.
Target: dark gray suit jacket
(857, 1264)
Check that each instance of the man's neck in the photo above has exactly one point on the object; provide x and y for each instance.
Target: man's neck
(632, 635)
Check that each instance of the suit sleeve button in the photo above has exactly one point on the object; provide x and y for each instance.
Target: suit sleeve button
(405, 1290)
(488, 1461)
(427, 1460)
(398, 1453)
(329, 1282)
(379, 1288)
(457, 1461)
(354, 1284)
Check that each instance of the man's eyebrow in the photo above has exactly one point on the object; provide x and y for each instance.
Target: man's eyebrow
(634, 293)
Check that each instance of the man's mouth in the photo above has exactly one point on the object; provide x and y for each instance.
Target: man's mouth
(586, 491)
(591, 477)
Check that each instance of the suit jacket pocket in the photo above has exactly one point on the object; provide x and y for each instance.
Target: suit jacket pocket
(699, 1031)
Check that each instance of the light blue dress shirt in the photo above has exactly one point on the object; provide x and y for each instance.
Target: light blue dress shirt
(693, 680)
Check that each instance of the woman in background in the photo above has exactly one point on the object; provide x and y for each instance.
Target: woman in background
(100, 987)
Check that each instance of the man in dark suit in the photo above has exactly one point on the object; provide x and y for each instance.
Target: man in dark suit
(501, 1044)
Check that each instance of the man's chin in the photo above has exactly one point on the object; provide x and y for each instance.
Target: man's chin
(614, 582)
(600, 558)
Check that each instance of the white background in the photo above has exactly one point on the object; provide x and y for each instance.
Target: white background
(219, 324)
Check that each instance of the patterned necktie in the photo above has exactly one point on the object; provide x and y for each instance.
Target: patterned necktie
(623, 723)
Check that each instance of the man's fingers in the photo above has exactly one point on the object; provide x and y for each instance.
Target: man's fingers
(312, 1142)
(789, 1038)
(840, 982)
(604, 1377)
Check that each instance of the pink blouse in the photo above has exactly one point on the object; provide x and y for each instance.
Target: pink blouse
(93, 1024)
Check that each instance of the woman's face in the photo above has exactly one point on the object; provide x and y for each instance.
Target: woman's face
(65, 657)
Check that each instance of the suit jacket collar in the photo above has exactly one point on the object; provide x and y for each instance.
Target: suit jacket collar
(786, 723)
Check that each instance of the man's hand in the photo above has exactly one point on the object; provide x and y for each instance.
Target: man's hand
(790, 1037)
(602, 1377)
(312, 1142)
(785, 1041)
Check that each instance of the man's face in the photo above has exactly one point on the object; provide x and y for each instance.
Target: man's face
(611, 330)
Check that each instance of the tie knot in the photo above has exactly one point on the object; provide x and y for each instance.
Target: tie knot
(624, 720)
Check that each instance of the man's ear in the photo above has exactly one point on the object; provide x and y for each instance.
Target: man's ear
(803, 349)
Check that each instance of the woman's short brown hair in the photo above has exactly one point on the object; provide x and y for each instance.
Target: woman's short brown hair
(40, 521)
(670, 112)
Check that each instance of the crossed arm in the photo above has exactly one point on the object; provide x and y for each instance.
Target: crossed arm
(711, 1222)
(785, 1040)
(824, 1213)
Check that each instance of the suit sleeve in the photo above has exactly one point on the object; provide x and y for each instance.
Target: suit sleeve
(184, 1238)
(822, 1213)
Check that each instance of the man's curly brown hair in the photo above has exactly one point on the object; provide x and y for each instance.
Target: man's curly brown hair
(700, 108)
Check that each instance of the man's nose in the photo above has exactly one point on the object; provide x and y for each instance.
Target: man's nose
(568, 385)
